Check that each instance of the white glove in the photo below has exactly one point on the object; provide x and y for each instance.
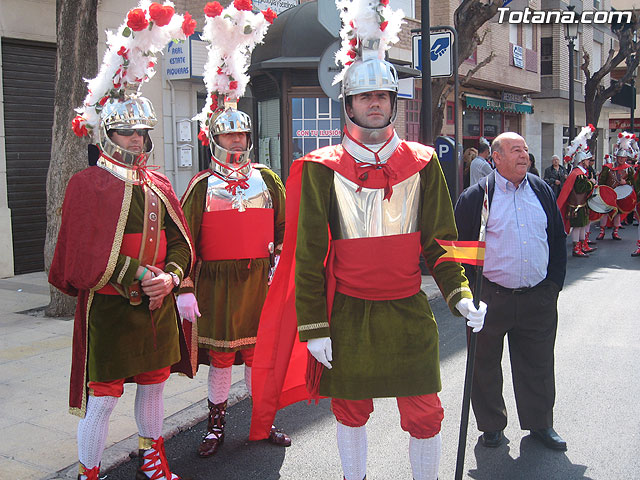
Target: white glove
(475, 317)
(188, 307)
(320, 348)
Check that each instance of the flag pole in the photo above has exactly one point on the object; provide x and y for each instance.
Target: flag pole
(471, 348)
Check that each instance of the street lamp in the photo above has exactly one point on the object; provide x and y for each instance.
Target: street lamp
(570, 34)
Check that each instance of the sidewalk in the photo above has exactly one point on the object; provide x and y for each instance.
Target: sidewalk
(38, 438)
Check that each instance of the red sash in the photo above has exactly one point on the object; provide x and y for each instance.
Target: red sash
(232, 235)
(378, 268)
(131, 248)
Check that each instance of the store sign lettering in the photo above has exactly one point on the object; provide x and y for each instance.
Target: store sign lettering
(318, 133)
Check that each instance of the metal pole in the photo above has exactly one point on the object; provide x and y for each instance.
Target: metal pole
(426, 132)
(633, 102)
(571, 111)
(468, 382)
(456, 130)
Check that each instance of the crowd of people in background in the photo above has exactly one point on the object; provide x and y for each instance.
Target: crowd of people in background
(620, 170)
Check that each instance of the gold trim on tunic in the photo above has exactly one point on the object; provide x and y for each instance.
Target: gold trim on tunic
(241, 342)
(313, 326)
(457, 290)
(124, 269)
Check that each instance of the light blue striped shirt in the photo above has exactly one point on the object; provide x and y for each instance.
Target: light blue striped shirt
(517, 251)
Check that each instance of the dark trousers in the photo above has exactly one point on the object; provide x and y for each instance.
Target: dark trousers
(529, 319)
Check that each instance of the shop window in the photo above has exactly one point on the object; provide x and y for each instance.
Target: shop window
(450, 113)
(412, 116)
(471, 123)
(546, 56)
(492, 124)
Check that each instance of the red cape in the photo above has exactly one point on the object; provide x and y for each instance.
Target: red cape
(564, 195)
(94, 214)
(280, 359)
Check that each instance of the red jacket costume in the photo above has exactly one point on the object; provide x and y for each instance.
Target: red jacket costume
(94, 213)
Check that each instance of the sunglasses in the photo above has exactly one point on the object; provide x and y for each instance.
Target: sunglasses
(127, 132)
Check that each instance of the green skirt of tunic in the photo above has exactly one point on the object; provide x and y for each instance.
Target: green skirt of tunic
(123, 341)
(580, 217)
(363, 334)
(230, 296)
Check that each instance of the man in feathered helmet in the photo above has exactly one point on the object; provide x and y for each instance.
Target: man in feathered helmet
(358, 216)
(572, 200)
(235, 210)
(619, 176)
(123, 248)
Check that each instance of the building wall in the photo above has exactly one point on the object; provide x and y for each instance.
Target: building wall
(28, 20)
(34, 20)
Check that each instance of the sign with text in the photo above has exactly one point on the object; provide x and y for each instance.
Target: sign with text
(177, 60)
(277, 6)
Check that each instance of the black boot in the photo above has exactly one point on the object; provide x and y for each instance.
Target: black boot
(215, 430)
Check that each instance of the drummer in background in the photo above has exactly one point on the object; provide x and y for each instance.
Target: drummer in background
(593, 216)
(572, 200)
(619, 176)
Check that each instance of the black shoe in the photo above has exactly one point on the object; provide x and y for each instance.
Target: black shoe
(550, 438)
(492, 439)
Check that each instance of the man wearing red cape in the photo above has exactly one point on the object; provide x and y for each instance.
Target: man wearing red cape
(123, 248)
(348, 282)
(572, 200)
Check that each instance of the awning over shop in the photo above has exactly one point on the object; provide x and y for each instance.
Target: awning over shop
(487, 103)
(286, 45)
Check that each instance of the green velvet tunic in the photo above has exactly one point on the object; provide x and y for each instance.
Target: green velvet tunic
(125, 340)
(580, 217)
(380, 348)
(231, 293)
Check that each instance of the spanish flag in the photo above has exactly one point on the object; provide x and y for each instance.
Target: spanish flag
(469, 252)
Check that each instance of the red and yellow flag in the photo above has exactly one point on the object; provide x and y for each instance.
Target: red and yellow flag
(470, 252)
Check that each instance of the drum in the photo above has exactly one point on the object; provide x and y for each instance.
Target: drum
(603, 199)
(626, 198)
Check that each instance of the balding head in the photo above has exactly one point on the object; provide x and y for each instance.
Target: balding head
(498, 141)
(511, 156)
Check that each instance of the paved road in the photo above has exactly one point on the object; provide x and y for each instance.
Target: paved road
(597, 352)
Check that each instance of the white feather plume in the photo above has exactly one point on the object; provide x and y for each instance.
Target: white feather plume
(129, 60)
(232, 35)
(628, 142)
(580, 142)
(362, 22)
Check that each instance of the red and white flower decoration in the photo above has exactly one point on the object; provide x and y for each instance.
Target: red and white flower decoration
(232, 33)
(363, 21)
(130, 58)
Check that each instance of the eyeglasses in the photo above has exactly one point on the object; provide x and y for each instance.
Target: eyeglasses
(127, 132)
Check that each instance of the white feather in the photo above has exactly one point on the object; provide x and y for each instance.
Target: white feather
(231, 38)
(113, 75)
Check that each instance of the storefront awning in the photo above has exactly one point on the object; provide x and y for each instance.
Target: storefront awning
(487, 103)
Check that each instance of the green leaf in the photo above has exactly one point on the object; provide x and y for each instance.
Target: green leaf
(126, 32)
